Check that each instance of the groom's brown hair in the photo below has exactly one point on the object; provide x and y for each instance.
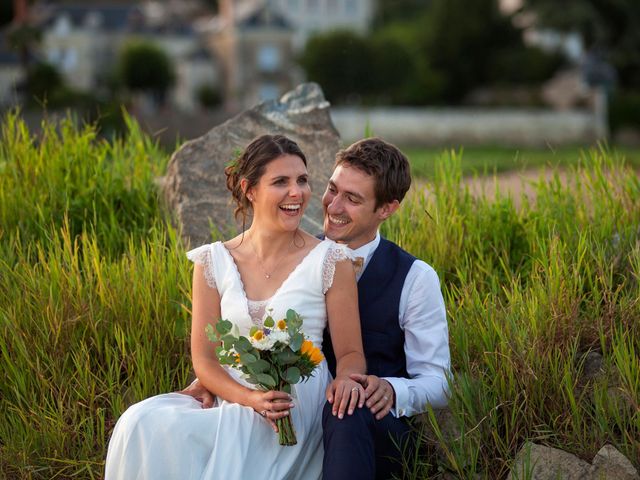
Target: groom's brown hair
(384, 162)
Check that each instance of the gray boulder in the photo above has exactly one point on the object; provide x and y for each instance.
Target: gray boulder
(537, 462)
(610, 463)
(194, 186)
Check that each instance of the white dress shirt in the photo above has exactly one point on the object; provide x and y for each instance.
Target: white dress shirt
(423, 319)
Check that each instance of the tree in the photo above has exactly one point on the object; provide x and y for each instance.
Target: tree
(43, 82)
(460, 38)
(388, 11)
(341, 62)
(6, 13)
(145, 67)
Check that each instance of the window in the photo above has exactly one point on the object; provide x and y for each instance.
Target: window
(268, 58)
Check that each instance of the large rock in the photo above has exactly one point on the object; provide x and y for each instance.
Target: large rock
(195, 187)
(537, 462)
(610, 463)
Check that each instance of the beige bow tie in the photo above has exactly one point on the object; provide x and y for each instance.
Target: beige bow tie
(358, 262)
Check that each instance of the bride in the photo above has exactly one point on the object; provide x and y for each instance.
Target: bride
(266, 270)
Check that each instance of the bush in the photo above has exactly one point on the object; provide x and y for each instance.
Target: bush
(143, 66)
(208, 96)
(44, 82)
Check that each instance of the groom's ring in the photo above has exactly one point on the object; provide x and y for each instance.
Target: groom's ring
(263, 413)
(354, 389)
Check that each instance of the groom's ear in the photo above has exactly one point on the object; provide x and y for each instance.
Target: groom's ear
(388, 209)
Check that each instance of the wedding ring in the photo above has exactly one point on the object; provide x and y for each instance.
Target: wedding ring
(354, 389)
(263, 413)
(385, 398)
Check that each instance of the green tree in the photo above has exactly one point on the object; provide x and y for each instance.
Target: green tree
(143, 66)
(43, 82)
(460, 38)
(6, 13)
(341, 63)
(388, 11)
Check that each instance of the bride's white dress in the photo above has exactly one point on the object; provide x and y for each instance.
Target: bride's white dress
(171, 437)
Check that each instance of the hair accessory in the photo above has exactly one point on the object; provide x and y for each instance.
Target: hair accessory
(233, 164)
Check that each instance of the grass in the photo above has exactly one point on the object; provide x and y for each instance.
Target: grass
(481, 159)
(95, 310)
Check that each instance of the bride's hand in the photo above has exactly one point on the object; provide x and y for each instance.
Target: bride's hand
(271, 405)
(345, 393)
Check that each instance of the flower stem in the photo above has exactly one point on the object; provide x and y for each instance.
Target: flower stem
(286, 433)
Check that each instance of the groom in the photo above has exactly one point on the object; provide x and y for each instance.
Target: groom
(402, 314)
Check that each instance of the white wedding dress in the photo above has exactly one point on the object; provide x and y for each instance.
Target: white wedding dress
(171, 437)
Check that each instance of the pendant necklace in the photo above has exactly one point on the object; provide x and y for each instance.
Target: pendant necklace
(268, 275)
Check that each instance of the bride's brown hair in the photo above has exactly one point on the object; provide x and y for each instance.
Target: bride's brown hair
(251, 165)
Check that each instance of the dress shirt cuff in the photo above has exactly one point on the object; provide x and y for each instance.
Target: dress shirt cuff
(402, 396)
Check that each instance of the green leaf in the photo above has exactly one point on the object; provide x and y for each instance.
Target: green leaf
(269, 322)
(266, 380)
(296, 342)
(242, 344)
(247, 358)
(286, 388)
(287, 357)
(294, 320)
(259, 366)
(223, 326)
(253, 330)
(292, 375)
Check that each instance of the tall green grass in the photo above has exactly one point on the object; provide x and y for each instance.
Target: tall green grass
(94, 304)
(528, 292)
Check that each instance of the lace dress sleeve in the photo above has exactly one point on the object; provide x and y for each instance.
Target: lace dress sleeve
(202, 256)
(335, 253)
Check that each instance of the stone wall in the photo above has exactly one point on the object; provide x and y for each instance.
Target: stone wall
(462, 126)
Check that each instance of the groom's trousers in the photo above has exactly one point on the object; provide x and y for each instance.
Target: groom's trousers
(359, 447)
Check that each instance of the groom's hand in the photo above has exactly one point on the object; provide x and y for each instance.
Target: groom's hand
(379, 393)
(200, 393)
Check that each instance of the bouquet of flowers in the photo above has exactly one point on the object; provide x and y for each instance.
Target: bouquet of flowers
(273, 357)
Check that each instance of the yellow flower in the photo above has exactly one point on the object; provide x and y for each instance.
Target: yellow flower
(237, 357)
(312, 352)
(259, 335)
(281, 324)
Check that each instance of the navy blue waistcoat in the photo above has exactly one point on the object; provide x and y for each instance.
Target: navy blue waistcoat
(379, 291)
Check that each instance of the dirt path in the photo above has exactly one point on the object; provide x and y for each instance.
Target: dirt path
(513, 184)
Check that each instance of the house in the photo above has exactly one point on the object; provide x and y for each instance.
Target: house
(316, 16)
(84, 42)
(253, 43)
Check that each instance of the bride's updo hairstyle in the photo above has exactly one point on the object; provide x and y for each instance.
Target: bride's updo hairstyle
(251, 165)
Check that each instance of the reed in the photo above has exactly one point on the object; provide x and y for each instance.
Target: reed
(95, 310)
